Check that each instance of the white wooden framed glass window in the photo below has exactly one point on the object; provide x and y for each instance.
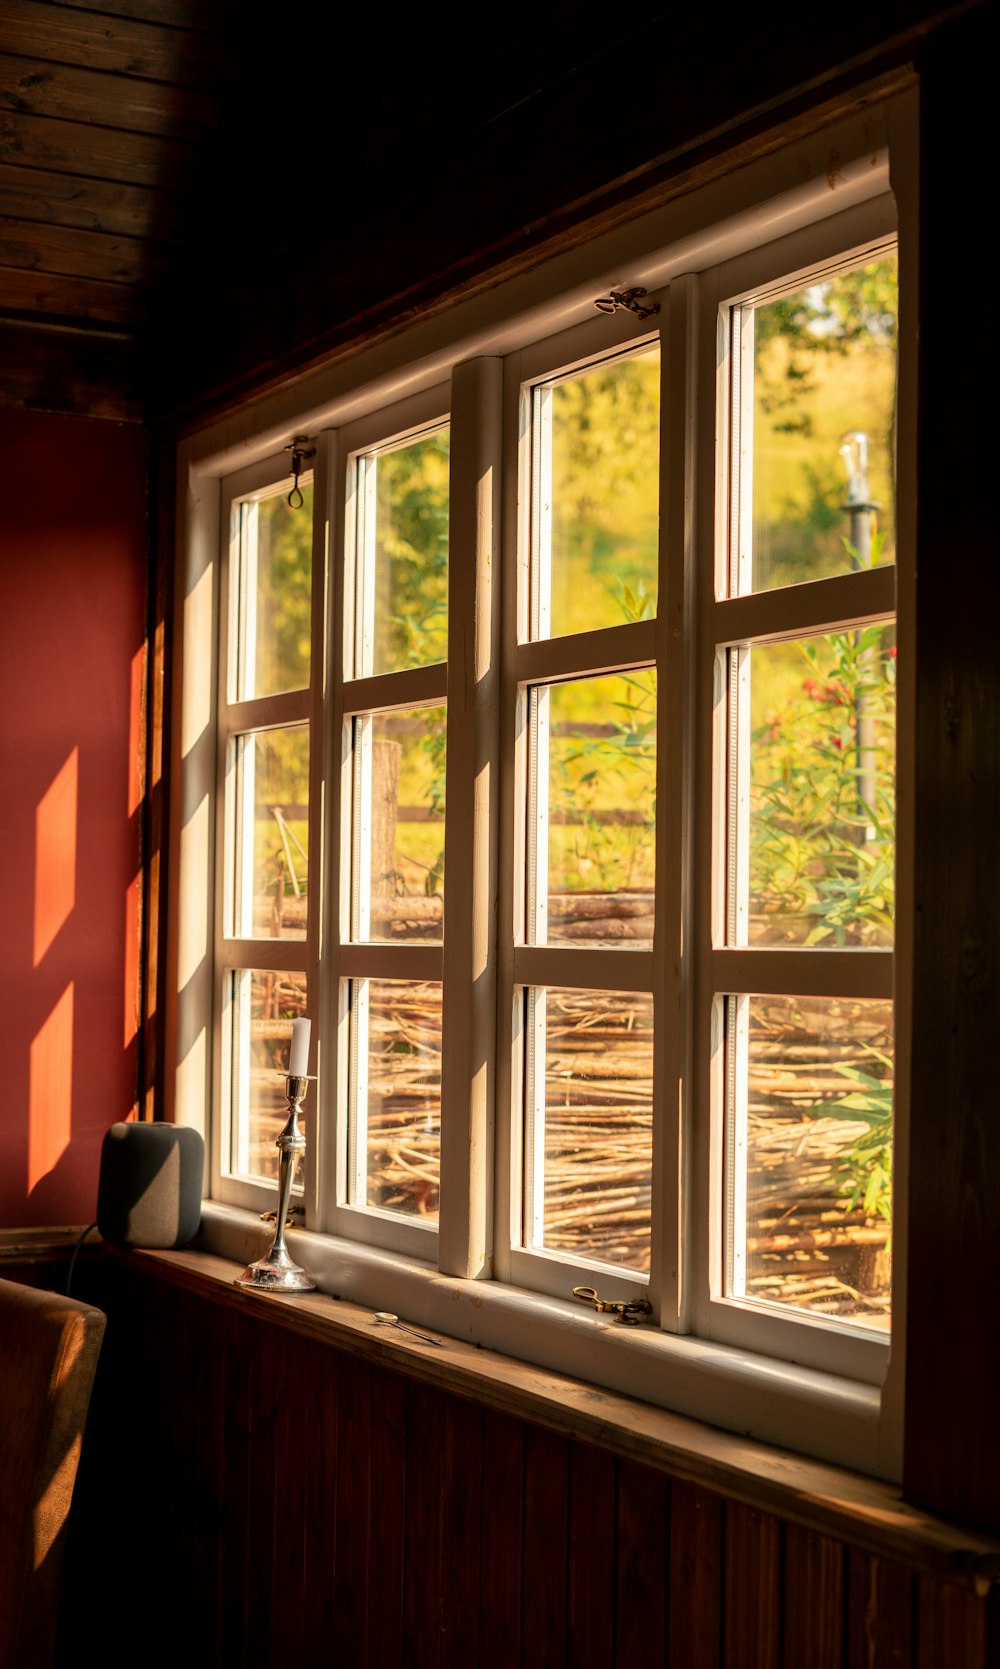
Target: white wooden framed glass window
(579, 859)
(578, 814)
(796, 988)
(389, 738)
(268, 828)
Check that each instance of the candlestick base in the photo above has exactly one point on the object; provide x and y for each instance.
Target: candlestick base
(275, 1272)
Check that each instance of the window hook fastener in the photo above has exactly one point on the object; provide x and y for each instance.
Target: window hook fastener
(629, 299)
(300, 450)
(630, 1311)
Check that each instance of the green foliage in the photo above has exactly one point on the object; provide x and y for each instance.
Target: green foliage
(822, 795)
(859, 306)
(284, 592)
(605, 471)
(412, 554)
(433, 744)
(610, 772)
(616, 770)
(824, 363)
(863, 1173)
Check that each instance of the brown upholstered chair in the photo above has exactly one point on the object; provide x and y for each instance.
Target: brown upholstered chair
(49, 1347)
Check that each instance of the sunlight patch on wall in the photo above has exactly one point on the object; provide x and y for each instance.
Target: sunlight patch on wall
(152, 957)
(192, 936)
(55, 855)
(156, 695)
(133, 932)
(50, 1095)
(196, 704)
(191, 1085)
(136, 730)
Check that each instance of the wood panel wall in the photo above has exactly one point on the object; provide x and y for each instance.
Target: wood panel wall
(952, 1461)
(248, 1496)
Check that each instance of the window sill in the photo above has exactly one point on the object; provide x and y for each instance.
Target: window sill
(863, 1511)
(818, 1414)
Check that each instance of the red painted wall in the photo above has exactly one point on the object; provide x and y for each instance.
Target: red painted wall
(73, 543)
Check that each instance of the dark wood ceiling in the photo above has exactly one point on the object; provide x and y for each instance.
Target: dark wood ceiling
(197, 196)
(109, 110)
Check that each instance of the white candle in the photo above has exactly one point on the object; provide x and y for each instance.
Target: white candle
(298, 1054)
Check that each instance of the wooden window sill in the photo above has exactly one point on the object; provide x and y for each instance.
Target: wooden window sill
(834, 1501)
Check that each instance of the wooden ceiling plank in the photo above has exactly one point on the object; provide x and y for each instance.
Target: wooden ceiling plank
(100, 153)
(78, 254)
(42, 195)
(58, 297)
(204, 16)
(36, 29)
(34, 88)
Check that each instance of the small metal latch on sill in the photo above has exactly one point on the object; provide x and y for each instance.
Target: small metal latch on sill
(630, 1310)
(290, 1223)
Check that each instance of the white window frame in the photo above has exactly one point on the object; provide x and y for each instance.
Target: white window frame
(734, 616)
(237, 717)
(531, 662)
(355, 693)
(694, 253)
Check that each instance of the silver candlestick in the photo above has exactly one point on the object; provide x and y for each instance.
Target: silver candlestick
(275, 1271)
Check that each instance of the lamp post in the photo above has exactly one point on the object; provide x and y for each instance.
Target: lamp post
(861, 508)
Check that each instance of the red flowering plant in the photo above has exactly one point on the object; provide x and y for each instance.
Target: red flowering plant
(822, 793)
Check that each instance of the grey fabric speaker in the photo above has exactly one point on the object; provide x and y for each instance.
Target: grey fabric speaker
(150, 1184)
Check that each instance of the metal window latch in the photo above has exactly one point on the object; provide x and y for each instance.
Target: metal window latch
(272, 1216)
(300, 450)
(629, 299)
(631, 1311)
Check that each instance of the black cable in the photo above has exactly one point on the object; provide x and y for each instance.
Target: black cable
(73, 1256)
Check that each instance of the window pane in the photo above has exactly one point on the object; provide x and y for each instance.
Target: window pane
(597, 453)
(272, 834)
(822, 366)
(400, 799)
(811, 1084)
(592, 817)
(822, 791)
(263, 1006)
(589, 1138)
(404, 550)
(396, 1098)
(275, 594)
